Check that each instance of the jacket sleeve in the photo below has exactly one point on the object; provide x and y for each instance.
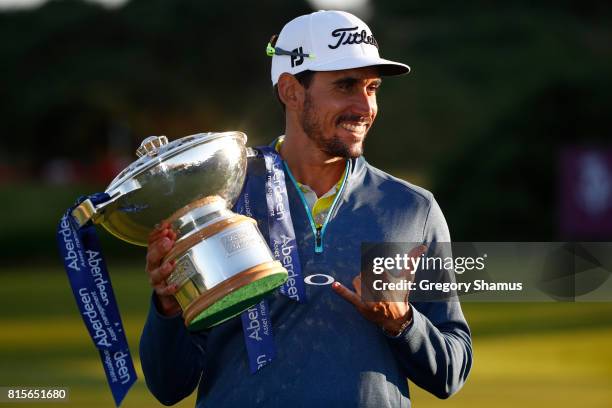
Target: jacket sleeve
(171, 357)
(435, 350)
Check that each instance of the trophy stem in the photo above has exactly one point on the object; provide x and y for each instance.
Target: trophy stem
(223, 264)
(189, 241)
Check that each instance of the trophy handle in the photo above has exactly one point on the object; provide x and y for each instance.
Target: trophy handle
(87, 211)
(250, 152)
(84, 212)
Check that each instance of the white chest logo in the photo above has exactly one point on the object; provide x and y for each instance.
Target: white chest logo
(319, 279)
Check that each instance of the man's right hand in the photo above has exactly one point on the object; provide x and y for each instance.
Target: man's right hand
(161, 240)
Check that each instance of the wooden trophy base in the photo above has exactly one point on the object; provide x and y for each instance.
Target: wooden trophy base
(234, 295)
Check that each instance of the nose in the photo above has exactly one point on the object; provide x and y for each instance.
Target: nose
(364, 104)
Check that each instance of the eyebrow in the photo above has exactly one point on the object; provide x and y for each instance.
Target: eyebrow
(351, 81)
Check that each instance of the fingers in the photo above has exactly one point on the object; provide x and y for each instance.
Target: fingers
(417, 251)
(384, 314)
(168, 290)
(157, 279)
(357, 285)
(158, 276)
(161, 230)
(348, 295)
(161, 241)
(158, 231)
(157, 250)
(365, 297)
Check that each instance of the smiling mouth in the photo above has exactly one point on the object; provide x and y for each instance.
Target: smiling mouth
(358, 128)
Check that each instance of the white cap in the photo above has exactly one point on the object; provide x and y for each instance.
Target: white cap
(334, 40)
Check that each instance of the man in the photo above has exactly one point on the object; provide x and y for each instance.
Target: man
(334, 349)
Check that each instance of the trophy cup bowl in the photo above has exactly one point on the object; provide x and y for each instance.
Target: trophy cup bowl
(223, 264)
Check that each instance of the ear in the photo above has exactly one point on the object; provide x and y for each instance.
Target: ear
(290, 92)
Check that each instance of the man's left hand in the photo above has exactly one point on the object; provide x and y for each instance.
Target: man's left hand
(391, 316)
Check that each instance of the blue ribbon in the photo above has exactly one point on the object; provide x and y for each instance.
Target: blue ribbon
(282, 234)
(82, 256)
(256, 323)
(258, 337)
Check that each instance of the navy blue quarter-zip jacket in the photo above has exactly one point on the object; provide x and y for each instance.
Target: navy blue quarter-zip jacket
(327, 353)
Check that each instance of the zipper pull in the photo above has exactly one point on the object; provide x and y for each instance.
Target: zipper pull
(318, 241)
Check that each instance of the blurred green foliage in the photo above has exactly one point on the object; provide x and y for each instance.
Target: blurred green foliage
(495, 91)
(155, 66)
(30, 214)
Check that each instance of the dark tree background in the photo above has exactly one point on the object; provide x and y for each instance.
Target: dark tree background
(495, 92)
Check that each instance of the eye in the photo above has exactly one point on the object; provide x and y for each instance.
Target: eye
(373, 89)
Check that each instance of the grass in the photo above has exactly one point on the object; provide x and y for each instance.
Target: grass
(526, 355)
(526, 364)
(43, 341)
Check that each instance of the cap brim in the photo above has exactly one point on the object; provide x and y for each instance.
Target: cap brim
(386, 67)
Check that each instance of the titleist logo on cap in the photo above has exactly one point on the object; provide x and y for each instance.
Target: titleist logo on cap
(332, 40)
(346, 37)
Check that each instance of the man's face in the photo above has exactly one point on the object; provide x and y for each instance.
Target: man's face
(339, 109)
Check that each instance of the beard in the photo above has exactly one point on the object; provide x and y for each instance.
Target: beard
(332, 146)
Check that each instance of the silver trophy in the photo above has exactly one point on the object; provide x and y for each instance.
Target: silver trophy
(223, 264)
